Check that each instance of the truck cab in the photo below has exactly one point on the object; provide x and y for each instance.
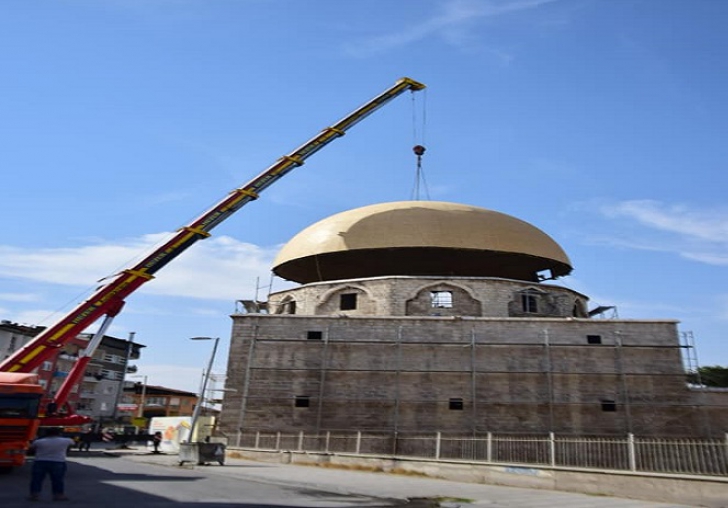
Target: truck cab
(20, 395)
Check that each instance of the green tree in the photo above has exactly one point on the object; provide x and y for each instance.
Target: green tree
(713, 375)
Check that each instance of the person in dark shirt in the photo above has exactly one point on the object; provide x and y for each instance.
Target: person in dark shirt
(156, 441)
(85, 440)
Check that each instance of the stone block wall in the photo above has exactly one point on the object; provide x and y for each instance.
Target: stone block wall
(410, 296)
(459, 374)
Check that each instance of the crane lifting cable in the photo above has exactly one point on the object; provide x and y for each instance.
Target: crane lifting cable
(419, 151)
(418, 138)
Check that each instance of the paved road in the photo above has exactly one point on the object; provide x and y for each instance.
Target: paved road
(140, 480)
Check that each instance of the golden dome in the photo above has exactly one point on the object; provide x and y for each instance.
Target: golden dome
(420, 238)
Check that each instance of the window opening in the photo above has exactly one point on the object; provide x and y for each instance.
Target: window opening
(302, 401)
(291, 307)
(609, 406)
(529, 302)
(348, 301)
(545, 275)
(21, 405)
(315, 335)
(441, 299)
(593, 339)
(456, 404)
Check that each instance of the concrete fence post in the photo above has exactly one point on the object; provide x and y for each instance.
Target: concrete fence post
(300, 441)
(438, 444)
(358, 442)
(328, 440)
(552, 449)
(257, 439)
(278, 440)
(489, 448)
(632, 452)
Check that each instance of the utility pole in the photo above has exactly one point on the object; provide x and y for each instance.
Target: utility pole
(143, 400)
(120, 389)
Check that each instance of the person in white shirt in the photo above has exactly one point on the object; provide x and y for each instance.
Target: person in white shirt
(50, 459)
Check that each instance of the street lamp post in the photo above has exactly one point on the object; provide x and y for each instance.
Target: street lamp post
(200, 401)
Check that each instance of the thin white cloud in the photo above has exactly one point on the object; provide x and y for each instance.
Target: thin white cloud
(37, 317)
(219, 268)
(708, 225)
(707, 258)
(18, 297)
(164, 198)
(453, 24)
(697, 234)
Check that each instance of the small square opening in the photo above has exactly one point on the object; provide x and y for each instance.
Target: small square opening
(302, 401)
(348, 301)
(441, 299)
(609, 406)
(593, 339)
(456, 404)
(315, 335)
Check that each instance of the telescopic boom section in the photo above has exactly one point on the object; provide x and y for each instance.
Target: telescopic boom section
(107, 298)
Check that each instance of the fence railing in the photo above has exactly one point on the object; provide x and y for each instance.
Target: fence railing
(628, 453)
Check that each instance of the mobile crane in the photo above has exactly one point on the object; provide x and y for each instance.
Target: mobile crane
(109, 298)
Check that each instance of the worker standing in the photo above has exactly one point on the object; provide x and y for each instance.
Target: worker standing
(156, 441)
(50, 459)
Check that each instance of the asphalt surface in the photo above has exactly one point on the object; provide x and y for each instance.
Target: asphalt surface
(138, 479)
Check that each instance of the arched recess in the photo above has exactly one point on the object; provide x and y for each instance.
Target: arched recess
(286, 306)
(352, 299)
(533, 301)
(443, 299)
(580, 309)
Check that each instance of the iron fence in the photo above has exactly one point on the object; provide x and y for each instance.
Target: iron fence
(628, 453)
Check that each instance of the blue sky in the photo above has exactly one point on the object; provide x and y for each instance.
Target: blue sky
(602, 123)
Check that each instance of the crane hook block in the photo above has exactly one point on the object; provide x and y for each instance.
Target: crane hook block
(419, 150)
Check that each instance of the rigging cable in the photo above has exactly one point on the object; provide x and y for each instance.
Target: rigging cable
(419, 148)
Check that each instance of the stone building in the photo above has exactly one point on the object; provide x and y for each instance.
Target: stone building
(428, 316)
